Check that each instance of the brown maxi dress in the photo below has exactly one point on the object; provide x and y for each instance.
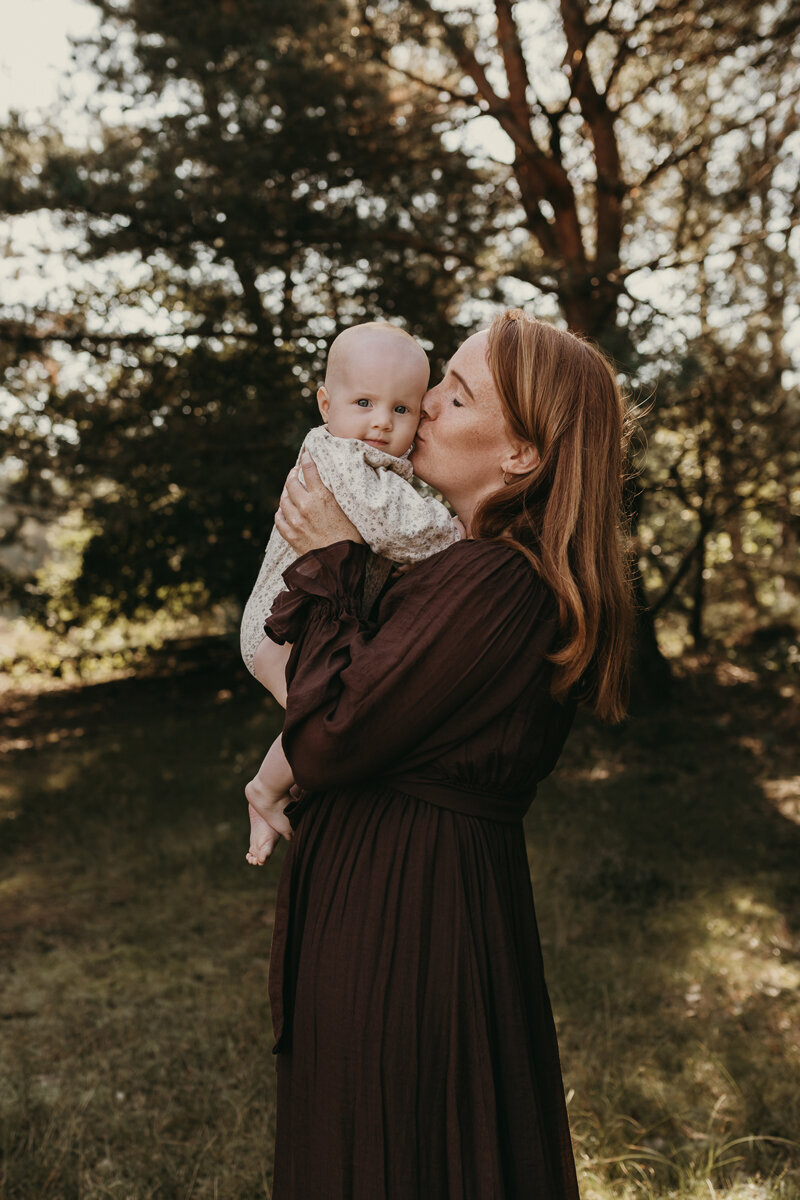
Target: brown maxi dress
(416, 1051)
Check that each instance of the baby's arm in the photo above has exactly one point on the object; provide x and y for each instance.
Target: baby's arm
(269, 667)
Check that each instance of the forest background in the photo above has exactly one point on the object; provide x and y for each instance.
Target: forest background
(231, 183)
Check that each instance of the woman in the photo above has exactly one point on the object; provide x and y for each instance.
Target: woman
(416, 1051)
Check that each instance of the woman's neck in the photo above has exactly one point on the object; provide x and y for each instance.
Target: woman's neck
(464, 513)
(465, 508)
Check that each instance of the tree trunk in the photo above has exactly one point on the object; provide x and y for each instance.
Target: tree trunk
(651, 673)
(591, 309)
(749, 601)
(699, 639)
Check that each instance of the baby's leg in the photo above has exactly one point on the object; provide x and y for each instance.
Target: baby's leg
(263, 839)
(269, 666)
(267, 796)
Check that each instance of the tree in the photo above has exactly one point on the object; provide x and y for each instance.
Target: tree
(281, 169)
(613, 113)
(261, 186)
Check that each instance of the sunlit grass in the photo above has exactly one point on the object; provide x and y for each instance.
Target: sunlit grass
(100, 649)
(669, 900)
(136, 1057)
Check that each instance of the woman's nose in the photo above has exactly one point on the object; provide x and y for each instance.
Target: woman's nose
(428, 407)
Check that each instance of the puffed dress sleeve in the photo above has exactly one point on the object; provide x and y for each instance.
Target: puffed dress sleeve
(447, 640)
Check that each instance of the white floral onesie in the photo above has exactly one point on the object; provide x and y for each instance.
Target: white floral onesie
(374, 491)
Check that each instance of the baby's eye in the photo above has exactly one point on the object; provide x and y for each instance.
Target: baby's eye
(401, 408)
(362, 402)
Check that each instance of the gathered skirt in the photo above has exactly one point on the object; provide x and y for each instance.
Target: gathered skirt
(416, 1054)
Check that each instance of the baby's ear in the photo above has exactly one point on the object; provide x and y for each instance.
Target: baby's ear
(324, 402)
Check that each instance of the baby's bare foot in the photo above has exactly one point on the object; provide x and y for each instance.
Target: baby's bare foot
(263, 839)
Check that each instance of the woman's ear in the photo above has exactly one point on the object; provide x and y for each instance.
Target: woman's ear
(323, 402)
(522, 458)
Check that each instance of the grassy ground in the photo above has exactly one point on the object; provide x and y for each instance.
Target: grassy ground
(136, 1040)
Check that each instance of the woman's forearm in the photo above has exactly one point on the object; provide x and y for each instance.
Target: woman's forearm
(269, 667)
(366, 692)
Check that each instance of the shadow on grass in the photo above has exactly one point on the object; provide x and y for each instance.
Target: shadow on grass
(137, 1041)
(668, 893)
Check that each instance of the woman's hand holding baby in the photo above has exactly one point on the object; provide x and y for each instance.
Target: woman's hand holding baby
(309, 517)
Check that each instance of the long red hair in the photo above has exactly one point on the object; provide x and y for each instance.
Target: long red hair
(560, 394)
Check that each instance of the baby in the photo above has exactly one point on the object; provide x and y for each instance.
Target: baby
(375, 379)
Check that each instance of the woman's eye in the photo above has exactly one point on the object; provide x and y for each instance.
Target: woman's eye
(457, 403)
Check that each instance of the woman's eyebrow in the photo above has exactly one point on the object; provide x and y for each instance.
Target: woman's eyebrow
(464, 384)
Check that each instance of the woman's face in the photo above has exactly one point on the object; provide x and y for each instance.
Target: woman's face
(463, 438)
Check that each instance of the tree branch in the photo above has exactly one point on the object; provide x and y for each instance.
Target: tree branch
(657, 264)
(31, 337)
(382, 52)
(539, 176)
(514, 61)
(609, 188)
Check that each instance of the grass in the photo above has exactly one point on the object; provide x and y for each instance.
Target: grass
(136, 1060)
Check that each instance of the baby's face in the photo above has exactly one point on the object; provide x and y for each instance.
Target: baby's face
(375, 394)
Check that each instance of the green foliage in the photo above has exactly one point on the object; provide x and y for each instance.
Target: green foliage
(265, 173)
(266, 186)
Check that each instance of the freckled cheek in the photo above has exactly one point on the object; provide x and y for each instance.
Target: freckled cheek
(473, 441)
(477, 451)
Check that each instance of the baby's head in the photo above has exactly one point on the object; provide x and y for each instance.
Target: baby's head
(375, 379)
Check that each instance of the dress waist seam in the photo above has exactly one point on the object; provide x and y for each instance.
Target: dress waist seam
(470, 802)
(506, 808)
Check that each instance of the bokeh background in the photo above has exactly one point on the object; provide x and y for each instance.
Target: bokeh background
(195, 198)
